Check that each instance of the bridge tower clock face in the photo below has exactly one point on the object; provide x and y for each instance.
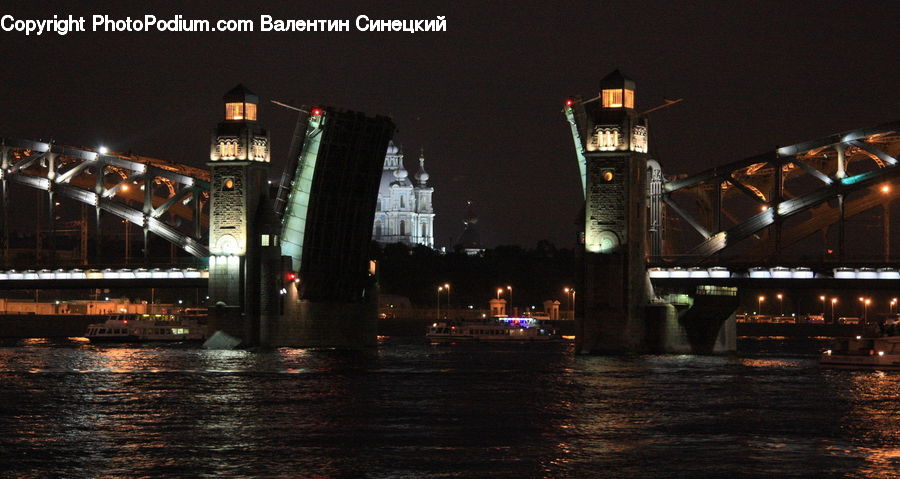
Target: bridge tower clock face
(609, 241)
(227, 244)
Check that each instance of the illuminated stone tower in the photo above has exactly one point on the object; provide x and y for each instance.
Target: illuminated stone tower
(612, 142)
(239, 162)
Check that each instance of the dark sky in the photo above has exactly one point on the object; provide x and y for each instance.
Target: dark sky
(482, 98)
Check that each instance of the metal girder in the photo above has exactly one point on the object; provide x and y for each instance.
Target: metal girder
(744, 189)
(32, 181)
(812, 171)
(26, 162)
(110, 192)
(780, 155)
(824, 218)
(77, 194)
(75, 171)
(779, 208)
(844, 137)
(104, 159)
(723, 173)
(157, 212)
(106, 198)
(687, 217)
(884, 157)
(791, 207)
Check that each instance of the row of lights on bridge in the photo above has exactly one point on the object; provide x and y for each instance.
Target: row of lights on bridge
(865, 302)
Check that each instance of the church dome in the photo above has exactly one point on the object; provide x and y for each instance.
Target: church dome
(422, 175)
(401, 173)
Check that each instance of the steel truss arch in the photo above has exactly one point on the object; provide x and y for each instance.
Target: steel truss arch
(59, 169)
(792, 160)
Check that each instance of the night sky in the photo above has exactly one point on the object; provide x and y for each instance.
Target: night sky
(482, 98)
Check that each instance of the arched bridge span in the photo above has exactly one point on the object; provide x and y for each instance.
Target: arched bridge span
(166, 199)
(784, 183)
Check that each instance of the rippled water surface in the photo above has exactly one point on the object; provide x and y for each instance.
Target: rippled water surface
(409, 409)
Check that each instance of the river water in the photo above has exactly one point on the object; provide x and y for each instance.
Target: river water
(408, 410)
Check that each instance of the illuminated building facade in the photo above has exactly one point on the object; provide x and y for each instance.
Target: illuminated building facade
(404, 212)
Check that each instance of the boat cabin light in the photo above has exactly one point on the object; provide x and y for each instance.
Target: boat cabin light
(881, 353)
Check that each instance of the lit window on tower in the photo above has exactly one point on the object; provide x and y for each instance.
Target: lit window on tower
(618, 98)
(251, 110)
(235, 111)
(629, 99)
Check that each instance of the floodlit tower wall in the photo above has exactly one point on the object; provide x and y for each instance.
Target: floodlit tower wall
(239, 160)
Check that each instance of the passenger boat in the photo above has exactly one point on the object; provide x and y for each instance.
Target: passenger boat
(490, 329)
(146, 327)
(862, 352)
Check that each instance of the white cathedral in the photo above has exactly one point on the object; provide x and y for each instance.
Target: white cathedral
(404, 213)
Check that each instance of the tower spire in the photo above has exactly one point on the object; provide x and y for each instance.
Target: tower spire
(422, 175)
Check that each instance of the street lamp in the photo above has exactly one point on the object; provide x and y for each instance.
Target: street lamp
(866, 304)
(440, 288)
(447, 287)
(780, 302)
(759, 302)
(573, 304)
(833, 300)
(822, 298)
(509, 288)
(893, 303)
(568, 303)
(499, 290)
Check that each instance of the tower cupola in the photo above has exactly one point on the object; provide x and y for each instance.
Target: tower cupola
(239, 137)
(617, 91)
(240, 104)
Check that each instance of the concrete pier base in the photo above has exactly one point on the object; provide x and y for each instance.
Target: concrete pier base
(707, 326)
(231, 321)
(668, 332)
(304, 324)
(307, 324)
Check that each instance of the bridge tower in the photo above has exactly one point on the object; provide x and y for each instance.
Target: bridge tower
(239, 159)
(614, 158)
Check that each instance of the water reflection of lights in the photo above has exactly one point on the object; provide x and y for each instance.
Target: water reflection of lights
(293, 353)
(882, 463)
(769, 363)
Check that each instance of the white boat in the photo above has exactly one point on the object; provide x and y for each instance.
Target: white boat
(490, 329)
(146, 327)
(864, 352)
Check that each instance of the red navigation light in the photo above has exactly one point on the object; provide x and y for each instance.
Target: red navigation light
(317, 112)
(570, 102)
(290, 276)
